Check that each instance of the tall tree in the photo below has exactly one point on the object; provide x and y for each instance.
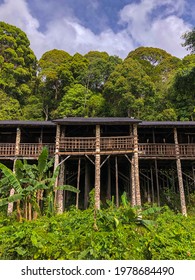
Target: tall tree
(189, 40)
(17, 63)
(54, 78)
(129, 91)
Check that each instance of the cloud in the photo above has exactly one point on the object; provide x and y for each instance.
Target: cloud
(154, 23)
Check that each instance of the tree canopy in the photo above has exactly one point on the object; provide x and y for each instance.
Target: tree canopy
(149, 83)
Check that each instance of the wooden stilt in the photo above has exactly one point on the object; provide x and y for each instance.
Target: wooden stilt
(108, 193)
(157, 182)
(152, 184)
(56, 160)
(17, 150)
(116, 175)
(97, 169)
(136, 164)
(133, 193)
(78, 182)
(179, 173)
(60, 193)
(87, 184)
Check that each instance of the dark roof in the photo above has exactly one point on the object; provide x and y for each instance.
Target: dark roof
(167, 124)
(94, 121)
(16, 123)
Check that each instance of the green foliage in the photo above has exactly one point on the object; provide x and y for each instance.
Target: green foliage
(189, 40)
(119, 236)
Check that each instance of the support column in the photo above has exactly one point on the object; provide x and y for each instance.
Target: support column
(116, 174)
(179, 174)
(97, 169)
(56, 161)
(17, 150)
(87, 184)
(78, 182)
(136, 164)
(60, 193)
(133, 192)
(108, 193)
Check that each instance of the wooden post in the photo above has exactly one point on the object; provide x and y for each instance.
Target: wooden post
(108, 193)
(136, 164)
(17, 151)
(87, 184)
(179, 174)
(97, 169)
(78, 182)
(116, 175)
(56, 161)
(152, 184)
(156, 173)
(60, 193)
(157, 182)
(133, 192)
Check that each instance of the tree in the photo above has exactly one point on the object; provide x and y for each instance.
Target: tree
(182, 93)
(54, 79)
(189, 38)
(9, 107)
(129, 91)
(74, 103)
(17, 63)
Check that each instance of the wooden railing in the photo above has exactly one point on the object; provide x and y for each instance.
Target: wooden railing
(34, 149)
(82, 144)
(7, 149)
(25, 149)
(122, 143)
(166, 150)
(77, 144)
(107, 144)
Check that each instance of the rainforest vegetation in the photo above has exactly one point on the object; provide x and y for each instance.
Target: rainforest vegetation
(149, 84)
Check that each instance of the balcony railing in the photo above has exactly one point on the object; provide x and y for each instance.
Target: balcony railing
(88, 144)
(107, 145)
(166, 150)
(7, 149)
(34, 149)
(25, 149)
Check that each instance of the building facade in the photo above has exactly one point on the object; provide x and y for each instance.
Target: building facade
(150, 161)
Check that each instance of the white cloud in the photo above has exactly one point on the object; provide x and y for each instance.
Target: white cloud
(68, 33)
(163, 30)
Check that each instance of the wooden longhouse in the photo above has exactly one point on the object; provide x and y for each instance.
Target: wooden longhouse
(112, 155)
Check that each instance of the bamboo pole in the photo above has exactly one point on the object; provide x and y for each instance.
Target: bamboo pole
(97, 169)
(179, 174)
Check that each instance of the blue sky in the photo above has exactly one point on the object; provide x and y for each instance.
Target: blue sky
(114, 26)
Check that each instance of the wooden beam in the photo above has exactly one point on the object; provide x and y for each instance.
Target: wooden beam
(56, 159)
(108, 191)
(87, 184)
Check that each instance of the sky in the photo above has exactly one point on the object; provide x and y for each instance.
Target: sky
(114, 26)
